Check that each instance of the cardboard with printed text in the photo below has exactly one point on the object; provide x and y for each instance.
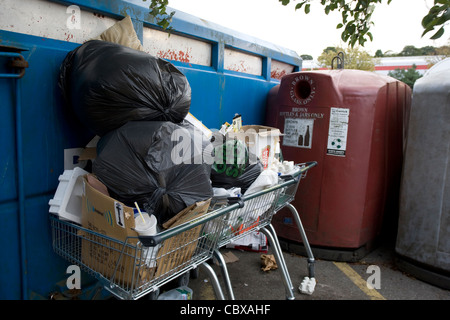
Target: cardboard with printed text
(108, 256)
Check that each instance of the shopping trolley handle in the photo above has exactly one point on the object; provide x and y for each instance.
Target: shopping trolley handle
(307, 165)
(304, 167)
(233, 200)
(150, 241)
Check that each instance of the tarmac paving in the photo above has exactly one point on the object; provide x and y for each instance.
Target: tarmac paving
(334, 280)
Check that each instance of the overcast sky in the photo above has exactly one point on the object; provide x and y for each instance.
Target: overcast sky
(396, 25)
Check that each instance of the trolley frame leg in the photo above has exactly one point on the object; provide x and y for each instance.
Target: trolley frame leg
(311, 260)
(282, 261)
(279, 257)
(214, 280)
(225, 274)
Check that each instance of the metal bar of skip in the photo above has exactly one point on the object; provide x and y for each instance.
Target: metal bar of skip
(19, 62)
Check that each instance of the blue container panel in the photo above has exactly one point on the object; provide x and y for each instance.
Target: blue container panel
(216, 98)
(48, 126)
(8, 185)
(10, 267)
(47, 129)
(44, 269)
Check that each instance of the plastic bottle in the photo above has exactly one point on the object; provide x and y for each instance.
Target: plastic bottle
(180, 293)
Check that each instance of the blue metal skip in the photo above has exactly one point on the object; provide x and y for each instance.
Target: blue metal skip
(36, 128)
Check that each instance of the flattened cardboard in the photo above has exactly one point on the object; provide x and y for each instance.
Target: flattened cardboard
(178, 250)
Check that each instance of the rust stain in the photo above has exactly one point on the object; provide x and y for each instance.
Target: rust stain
(277, 74)
(180, 55)
(241, 67)
(69, 36)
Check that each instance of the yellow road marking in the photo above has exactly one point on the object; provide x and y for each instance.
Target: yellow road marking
(359, 281)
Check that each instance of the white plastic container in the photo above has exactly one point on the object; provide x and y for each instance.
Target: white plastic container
(146, 225)
(66, 202)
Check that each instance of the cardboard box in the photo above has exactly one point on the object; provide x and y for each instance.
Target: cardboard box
(263, 142)
(106, 216)
(178, 250)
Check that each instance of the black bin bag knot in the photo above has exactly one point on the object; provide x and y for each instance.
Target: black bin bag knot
(107, 85)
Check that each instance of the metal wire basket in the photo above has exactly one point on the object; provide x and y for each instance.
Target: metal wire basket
(139, 265)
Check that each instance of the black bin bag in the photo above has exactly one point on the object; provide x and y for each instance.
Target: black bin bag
(107, 84)
(144, 161)
(243, 181)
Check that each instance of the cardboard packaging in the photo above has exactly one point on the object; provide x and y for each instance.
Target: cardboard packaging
(263, 142)
(111, 218)
(177, 251)
(108, 217)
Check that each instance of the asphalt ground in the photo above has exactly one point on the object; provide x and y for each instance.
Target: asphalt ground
(334, 280)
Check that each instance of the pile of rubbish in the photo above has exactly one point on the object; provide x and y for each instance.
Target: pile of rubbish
(151, 153)
(136, 103)
(148, 152)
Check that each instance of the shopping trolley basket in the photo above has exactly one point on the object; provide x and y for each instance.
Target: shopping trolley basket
(140, 265)
(255, 213)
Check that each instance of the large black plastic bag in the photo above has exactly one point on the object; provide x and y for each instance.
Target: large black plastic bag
(136, 163)
(107, 85)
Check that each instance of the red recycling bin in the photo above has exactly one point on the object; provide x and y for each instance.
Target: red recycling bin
(353, 123)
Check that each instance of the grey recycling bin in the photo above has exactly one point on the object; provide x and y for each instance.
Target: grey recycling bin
(423, 238)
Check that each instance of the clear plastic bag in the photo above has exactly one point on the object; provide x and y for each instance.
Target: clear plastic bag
(180, 293)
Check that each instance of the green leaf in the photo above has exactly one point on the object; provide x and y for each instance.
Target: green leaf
(361, 40)
(353, 41)
(307, 8)
(344, 36)
(284, 2)
(427, 30)
(438, 34)
(435, 10)
(446, 15)
(340, 25)
(344, 17)
(299, 5)
(429, 21)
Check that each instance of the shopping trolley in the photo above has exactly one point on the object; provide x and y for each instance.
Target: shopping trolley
(255, 213)
(140, 265)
